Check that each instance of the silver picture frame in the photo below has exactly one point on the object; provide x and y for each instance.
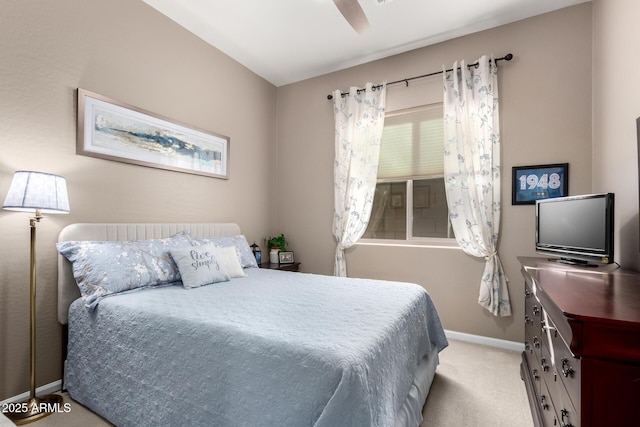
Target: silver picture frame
(285, 257)
(112, 130)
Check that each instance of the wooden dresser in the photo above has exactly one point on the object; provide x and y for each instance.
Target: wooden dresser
(581, 364)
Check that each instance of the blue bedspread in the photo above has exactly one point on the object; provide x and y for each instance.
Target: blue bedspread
(271, 349)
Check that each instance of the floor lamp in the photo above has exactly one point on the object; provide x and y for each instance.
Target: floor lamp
(39, 193)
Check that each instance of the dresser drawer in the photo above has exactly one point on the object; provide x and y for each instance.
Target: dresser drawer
(532, 308)
(532, 321)
(535, 372)
(532, 348)
(565, 412)
(545, 403)
(567, 369)
(546, 363)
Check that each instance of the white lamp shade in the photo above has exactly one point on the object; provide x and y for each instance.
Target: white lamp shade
(37, 190)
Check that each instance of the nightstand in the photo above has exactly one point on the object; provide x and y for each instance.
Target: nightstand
(285, 267)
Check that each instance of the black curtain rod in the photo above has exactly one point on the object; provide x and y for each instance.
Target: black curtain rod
(507, 57)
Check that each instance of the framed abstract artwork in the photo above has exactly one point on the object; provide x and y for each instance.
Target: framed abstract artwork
(112, 130)
(531, 183)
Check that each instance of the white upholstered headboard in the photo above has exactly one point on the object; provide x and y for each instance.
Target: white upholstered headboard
(68, 289)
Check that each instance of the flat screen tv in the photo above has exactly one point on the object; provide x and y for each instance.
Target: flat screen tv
(576, 229)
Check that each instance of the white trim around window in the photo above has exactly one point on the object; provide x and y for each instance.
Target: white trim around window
(413, 243)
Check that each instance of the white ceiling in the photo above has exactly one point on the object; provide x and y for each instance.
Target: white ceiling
(286, 41)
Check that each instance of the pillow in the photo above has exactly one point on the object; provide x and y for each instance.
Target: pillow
(247, 259)
(199, 266)
(228, 259)
(110, 267)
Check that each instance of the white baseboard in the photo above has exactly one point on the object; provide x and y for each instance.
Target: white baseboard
(479, 339)
(45, 389)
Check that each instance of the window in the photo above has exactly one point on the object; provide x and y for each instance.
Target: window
(410, 202)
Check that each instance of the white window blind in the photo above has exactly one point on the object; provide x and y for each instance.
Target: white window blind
(412, 143)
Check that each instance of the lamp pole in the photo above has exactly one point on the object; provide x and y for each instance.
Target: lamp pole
(36, 407)
(39, 192)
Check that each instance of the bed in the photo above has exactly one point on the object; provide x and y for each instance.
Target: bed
(272, 348)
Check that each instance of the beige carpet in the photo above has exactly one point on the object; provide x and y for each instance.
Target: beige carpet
(475, 386)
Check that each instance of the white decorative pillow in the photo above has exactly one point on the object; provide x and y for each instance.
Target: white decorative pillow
(228, 259)
(103, 268)
(199, 266)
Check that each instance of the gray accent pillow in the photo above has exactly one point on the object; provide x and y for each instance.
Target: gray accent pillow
(199, 266)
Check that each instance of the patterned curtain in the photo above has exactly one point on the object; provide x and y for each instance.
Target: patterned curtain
(359, 121)
(472, 172)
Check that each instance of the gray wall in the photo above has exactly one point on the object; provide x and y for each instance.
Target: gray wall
(545, 95)
(126, 51)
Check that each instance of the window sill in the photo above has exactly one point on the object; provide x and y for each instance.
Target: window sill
(427, 243)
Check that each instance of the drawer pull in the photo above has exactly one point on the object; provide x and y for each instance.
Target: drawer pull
(528, 320)
(536, 310)
(564, 413)
(536, 342)
(546, 328)
(543, 403)
(543, 363)
(567, 370)
(535, 375)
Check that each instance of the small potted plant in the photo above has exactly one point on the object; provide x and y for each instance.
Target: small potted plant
(275, 245)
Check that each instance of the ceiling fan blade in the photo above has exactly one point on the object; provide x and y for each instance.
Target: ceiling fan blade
(353, 13)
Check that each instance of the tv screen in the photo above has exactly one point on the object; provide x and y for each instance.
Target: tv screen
(577, 229)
